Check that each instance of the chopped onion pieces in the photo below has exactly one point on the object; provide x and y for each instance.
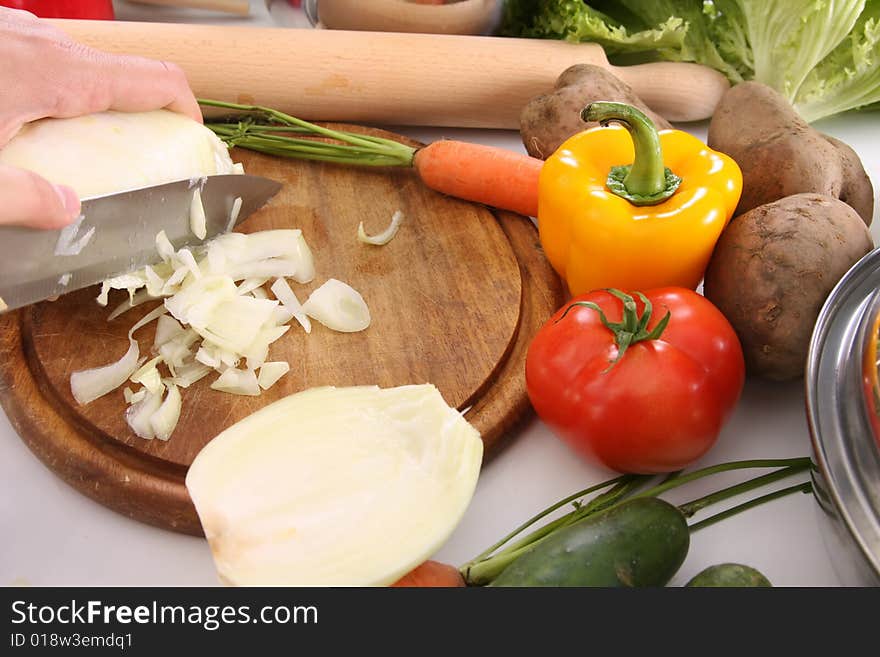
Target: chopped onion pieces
(164, 420)
(270, 373)
(88, 385)
(238, 382)
(338, 306)
(138, 416)
(164, 246)
(216, 297)
(282, 291)
(190, 373)
(233, 214)
(386, 235)
(167, 328)
(70, 242)
(197, 220)
(148, 376)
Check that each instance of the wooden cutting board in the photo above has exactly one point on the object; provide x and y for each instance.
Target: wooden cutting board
(455, 299)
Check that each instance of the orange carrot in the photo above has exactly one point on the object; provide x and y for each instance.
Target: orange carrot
(432, 574)
(503, 179)
(494, 176)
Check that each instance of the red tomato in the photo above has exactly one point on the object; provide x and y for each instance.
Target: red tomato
(661, 405)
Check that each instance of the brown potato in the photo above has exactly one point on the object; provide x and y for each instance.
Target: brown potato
(548, 120)
(773, 268)
(780, 154)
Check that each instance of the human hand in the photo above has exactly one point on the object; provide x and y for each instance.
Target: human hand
(44, 73)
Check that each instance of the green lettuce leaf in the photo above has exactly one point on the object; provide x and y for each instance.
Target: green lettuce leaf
(572, 20)
(849, 77)
(789, 38)
(822, 55)
(698, 44)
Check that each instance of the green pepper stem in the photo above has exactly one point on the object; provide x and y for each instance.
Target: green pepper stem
(647, 181)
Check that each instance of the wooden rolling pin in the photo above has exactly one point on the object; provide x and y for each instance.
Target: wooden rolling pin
(390, 78)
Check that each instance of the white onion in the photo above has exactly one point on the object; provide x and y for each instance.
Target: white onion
(338, 306)
(138, 415)
(164, 246)
(250, 284)
(148, 376)
(88, 385)
(238, 382)
(190, 373)
(283, 292)
(386, 235)
(164, 419)
(126, 150)
(133, 397)
(167, 328)
(70, 242)
(233, 214)
(231, 322)
(270, 373)
(335, 487)
(197, 220)
(188, 260)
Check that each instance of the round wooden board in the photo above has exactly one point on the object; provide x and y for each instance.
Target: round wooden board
(455, 299)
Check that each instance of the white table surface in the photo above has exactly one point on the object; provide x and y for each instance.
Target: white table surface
(52, 535)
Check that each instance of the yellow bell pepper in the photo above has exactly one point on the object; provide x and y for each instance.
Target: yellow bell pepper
(604, 224)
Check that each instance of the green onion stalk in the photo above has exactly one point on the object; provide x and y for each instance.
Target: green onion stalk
(487, 565)
(269, 131)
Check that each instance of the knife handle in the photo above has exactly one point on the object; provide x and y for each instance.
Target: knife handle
(391, 78)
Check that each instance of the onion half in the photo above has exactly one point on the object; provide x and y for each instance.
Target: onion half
(335, 486)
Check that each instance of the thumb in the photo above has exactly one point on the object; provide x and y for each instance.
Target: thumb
(27, 199)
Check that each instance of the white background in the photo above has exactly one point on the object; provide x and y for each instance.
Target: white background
(52, 535)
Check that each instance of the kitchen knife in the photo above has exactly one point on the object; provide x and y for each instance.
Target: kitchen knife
(116, 234)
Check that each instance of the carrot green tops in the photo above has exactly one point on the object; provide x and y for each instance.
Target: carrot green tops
(630, 208)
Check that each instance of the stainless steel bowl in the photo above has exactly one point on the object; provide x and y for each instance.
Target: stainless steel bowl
(841, 384)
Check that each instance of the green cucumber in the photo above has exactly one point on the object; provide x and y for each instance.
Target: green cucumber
(640, 542)
(729, 574)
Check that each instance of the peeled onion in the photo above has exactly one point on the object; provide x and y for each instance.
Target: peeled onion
(126, 150)
(335, 486)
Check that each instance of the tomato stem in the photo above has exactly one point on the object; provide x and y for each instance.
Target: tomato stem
(632, 327)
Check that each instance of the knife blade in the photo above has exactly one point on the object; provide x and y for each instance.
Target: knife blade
(116, 234)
